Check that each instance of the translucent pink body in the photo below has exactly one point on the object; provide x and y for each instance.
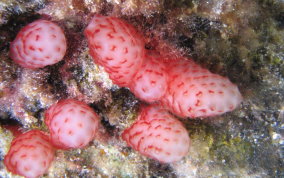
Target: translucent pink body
(150, 82)
(38, 44)
(72, 124)
(30, 154)
(158, 135)
(117, 46)
(196, 92)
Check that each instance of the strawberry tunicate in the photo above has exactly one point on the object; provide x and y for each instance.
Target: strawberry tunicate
(117, 46)
(158, 135)
(30, 154)
(72, 124)
(38, 44)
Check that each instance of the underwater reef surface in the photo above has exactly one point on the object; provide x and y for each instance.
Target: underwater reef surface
(243, 40)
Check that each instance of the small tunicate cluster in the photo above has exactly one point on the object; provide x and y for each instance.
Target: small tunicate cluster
(179, 86)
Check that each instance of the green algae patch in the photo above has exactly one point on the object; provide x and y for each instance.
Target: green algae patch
(234, 152)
